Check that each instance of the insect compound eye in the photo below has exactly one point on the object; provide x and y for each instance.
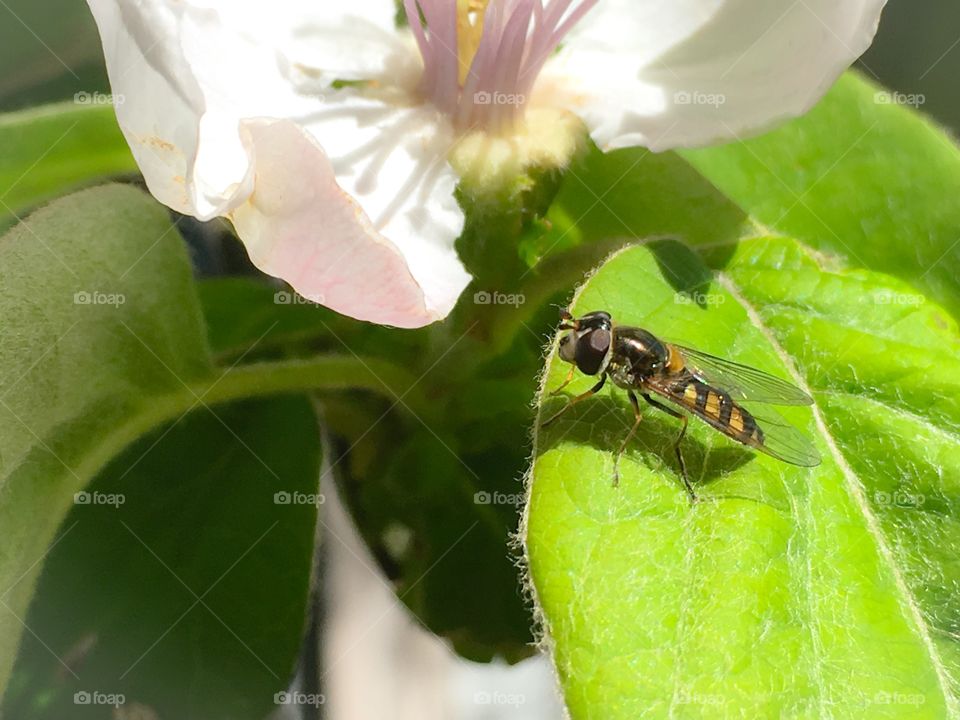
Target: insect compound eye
(591, 350)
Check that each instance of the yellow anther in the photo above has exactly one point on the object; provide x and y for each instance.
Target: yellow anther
(470, 14)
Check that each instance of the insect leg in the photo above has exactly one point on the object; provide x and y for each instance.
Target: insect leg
(565, 382)
(676, 444)
(626, 440)
(582, 396)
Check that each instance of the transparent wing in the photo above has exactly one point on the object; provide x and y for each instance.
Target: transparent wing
(741, 382)
(780, 439)
(783, 441)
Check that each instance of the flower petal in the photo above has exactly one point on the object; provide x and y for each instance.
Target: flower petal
(300, 225)
(189, 71)
(692, 72)
(225, 108)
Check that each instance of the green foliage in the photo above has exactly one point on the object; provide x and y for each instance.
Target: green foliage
(103, 341)
(430, 471)
(195, 578)
(97, 337)
(784, 590)
(816, 252)
(861, 178)
(47, 151)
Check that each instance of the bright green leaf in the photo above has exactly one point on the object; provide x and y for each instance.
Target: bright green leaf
(787, 591)
(48, 151)
(635, 193)
(863, 177)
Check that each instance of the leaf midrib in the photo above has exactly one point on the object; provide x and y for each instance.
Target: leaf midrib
(855, 490)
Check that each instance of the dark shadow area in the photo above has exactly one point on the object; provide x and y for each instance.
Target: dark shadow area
(603, 422)
(683, 269)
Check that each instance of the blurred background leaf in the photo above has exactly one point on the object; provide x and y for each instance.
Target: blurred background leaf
(190, 596)
(101, 329)
(55, 149)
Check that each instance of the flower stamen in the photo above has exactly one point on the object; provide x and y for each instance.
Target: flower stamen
(499, 48)
(470, 15)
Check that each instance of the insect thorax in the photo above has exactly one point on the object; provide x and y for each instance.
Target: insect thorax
(637, 354)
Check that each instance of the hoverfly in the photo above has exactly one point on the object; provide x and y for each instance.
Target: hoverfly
(702, 385)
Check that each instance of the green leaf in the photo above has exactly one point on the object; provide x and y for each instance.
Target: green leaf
(634, 193)
(787, 591)
(245, 315)
(47, 151)
(431, 485)
(50, 51)
(440, 530)
(859, 177)
(102, 341)
(101, 329)
(188, 593)
(248, 317)
(437, 509)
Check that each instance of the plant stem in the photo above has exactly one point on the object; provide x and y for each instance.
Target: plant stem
(316, 374)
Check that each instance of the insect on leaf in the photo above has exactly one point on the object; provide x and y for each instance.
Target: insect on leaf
(786, 591)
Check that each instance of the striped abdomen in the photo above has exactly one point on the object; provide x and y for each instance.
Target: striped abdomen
(719, 409)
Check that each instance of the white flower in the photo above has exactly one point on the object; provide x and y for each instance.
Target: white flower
(323, 130)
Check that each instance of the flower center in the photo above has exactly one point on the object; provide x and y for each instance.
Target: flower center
(482, 57)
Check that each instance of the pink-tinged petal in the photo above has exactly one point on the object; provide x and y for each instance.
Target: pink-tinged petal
(300, 225)
(189, 71)
(694, 72)
(228, 108)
